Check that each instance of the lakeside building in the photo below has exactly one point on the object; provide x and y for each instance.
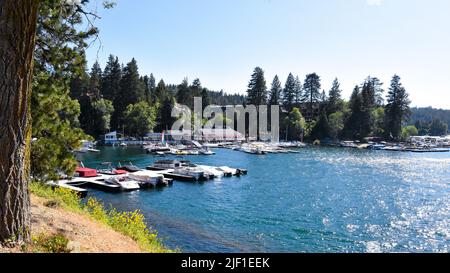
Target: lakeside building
(440, 141)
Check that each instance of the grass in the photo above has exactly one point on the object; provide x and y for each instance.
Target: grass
(131, 224)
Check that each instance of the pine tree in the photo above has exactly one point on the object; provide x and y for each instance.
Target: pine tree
(368, 105)
(131, 92)
(322, 129)
(161, 93)
(298, 92)
(396, 110)
(289, 93)
(311, 94)
(334, 98)
(352, 128)
(95, 82)
(152, 83)
(184, 94)
(206, 100)
(257, 90)
(112, 76)
(275, 91)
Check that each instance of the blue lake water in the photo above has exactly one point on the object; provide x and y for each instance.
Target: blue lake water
(320, 200)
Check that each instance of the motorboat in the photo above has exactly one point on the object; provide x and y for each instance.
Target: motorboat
(194, 172)
(107, 169)
(126, 183)
(165, 165)
(148, 178)
(212, 171)
(129, 168)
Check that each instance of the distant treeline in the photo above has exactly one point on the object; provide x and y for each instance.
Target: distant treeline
(117, 97)
(430, 121)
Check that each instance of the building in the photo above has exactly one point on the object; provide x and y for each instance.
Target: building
(111, 138)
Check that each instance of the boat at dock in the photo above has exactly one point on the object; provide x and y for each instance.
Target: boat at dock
(128, 167)
(149, 179)
(125, 182)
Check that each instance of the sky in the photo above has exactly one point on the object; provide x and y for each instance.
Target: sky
(222, 41)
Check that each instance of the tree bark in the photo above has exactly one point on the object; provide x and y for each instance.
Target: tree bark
(17, 41)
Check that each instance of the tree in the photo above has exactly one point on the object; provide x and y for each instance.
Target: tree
(206, 100)
(368, 105)
(95, 82)
(164, 117)
(352, 128)
(409, 131)
(17, 41)
(438, 128)
(298, 92)
(111, 78)
(311, 94)
(184, 94)
(335, 102)
(396, 110)
(289, 93)
(322, 128)
(103, 110)
(275, 91)
(131, 92)
(161, 93)
(59, 58)
(295, 124)
(257, 90)
(336, 124)
(152, 83)
(139, 119)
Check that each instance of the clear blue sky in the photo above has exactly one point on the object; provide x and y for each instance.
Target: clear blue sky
(221, 41)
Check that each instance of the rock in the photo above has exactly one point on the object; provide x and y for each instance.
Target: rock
(74, 247)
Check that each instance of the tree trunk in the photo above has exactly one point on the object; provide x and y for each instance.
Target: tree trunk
(17, 41)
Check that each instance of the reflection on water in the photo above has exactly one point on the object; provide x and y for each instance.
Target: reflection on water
(320, 200)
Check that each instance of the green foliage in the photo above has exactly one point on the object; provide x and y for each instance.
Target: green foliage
(59, 56)
(131, 224)
(275, 91)
(131, 92)
(322, 128)
(438, 128)
(311, 93)
(335, 103)
(257, 90)
(396, 110)
(295, 124)
(409, 131)
(289, 93)
(50, 244)
(139, 119)
(336, 124)
(102, 110)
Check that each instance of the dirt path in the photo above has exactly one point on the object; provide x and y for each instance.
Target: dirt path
(85, 235)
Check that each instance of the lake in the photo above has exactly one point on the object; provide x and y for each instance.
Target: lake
(319, 200)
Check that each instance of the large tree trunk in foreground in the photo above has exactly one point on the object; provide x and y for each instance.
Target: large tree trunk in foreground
(17, 40)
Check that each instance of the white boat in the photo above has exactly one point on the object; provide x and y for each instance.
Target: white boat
(228, 171)
(212, 171)
(166, 164)
(207, 152)
(194, 172)
(147, 178)
(123, 144)
(125, 182)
